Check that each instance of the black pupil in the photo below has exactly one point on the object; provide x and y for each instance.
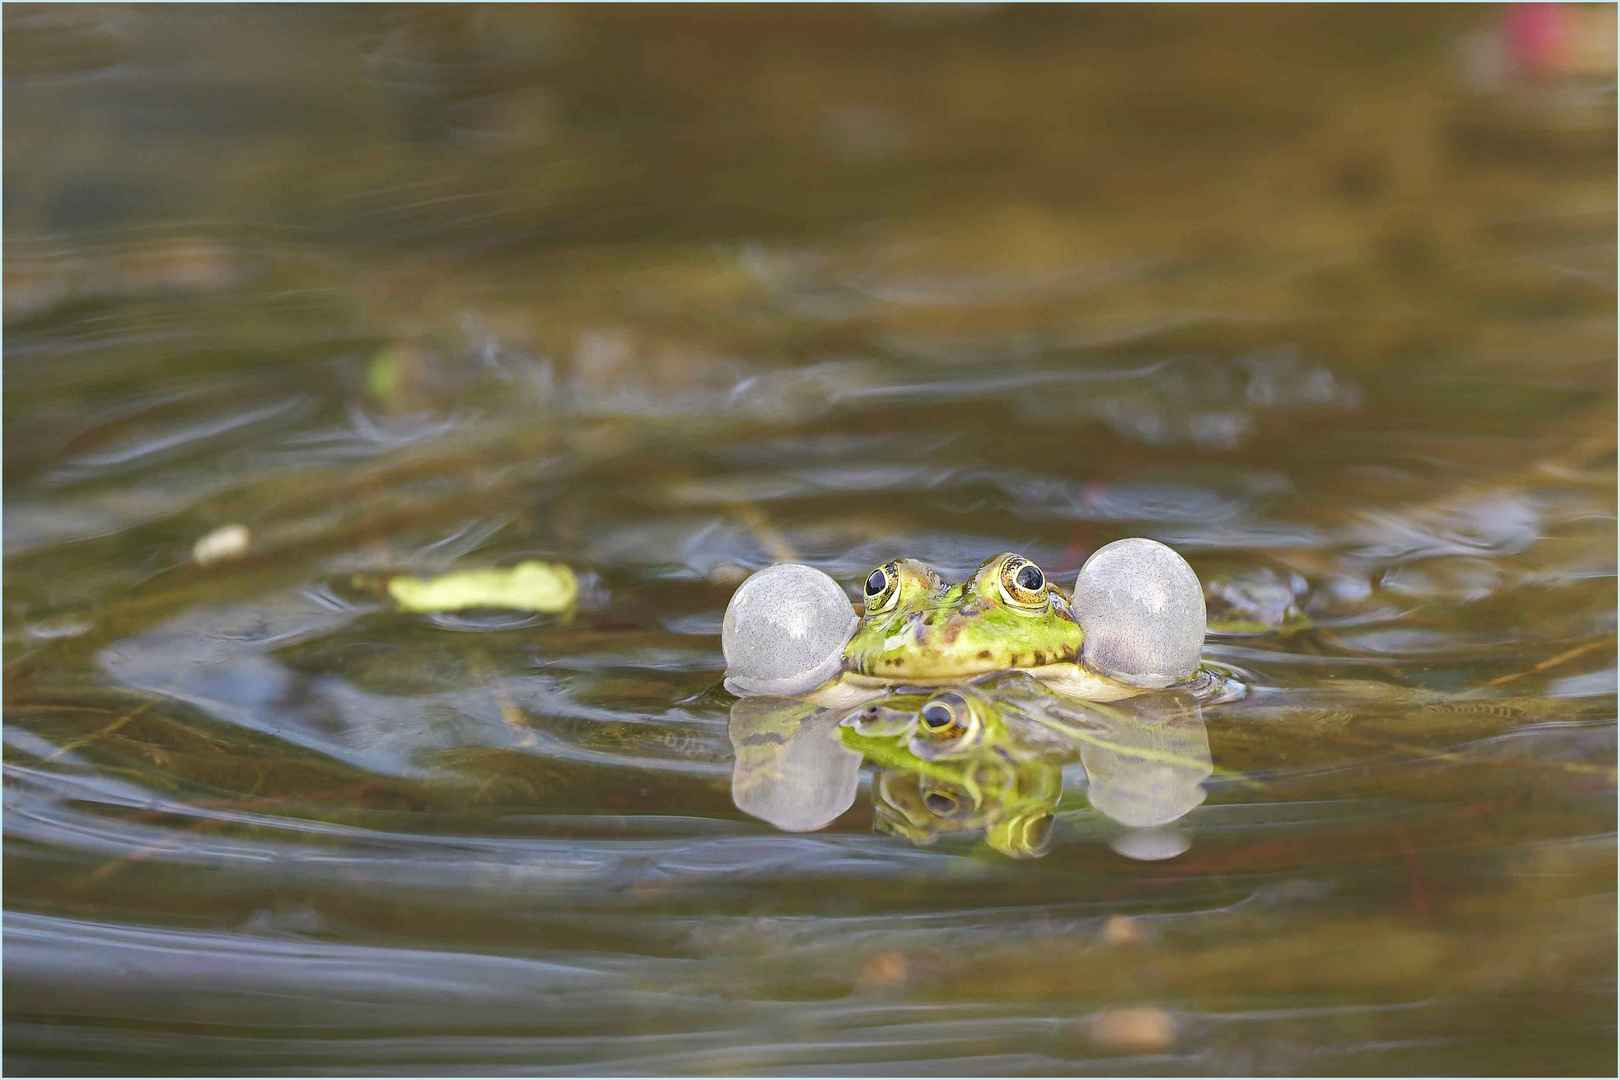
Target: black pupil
(937, 716)
(939, 804)
(1030, 577)
(874, 584)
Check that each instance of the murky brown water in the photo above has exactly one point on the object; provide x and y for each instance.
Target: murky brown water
(1323, 298)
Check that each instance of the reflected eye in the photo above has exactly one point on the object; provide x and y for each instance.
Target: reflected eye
(948, 801)
(1022, 583)
(1023, 837)
(1037, 833)
(881, 589)
(945, 725)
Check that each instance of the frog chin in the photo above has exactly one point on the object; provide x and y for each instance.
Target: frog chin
(1064, 673)
(876, 681)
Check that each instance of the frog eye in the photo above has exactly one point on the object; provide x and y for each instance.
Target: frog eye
(882, 589)
(1022, 583)
(945, 716)
(945, 725)
(1035, 834)
(937, 716)
(1023, 838)
(946, 804)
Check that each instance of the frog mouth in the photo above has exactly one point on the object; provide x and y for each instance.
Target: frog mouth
(1055, 670)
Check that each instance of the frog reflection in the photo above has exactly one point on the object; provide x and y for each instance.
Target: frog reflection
(789, 768)
(983, 757)
(959, 760)
(1146, 766)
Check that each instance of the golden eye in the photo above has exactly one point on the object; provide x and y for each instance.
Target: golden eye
(948, 801)
(937, 716)
(1036, 834)
(945, 716)
(1022, 583)
(945, 725)
(882, 589)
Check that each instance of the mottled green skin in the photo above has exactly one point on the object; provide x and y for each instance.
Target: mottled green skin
(937, 631)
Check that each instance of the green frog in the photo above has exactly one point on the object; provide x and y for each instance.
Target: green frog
(1137, 623)
(917, 630)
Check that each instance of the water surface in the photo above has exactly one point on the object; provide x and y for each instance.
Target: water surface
(1323, 298)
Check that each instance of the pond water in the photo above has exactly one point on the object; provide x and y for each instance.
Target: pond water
(1324, 299)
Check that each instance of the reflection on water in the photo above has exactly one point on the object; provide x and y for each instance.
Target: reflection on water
(1324, 298)
(789, 768)
(1147, 771)
(1144, 761)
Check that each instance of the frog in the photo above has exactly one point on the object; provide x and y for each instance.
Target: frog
(917, 630)
(1135, 623)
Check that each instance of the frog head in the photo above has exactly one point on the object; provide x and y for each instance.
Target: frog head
(918, 629)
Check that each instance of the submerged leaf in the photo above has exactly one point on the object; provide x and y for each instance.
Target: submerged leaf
(384, 371)
(528, 586)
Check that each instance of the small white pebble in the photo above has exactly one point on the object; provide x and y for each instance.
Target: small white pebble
(885, 971)
(1121, 930)
(1140, 1029)
(225, 542)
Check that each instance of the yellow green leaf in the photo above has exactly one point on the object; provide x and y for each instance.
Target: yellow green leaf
(528, 586)
(383, 373)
